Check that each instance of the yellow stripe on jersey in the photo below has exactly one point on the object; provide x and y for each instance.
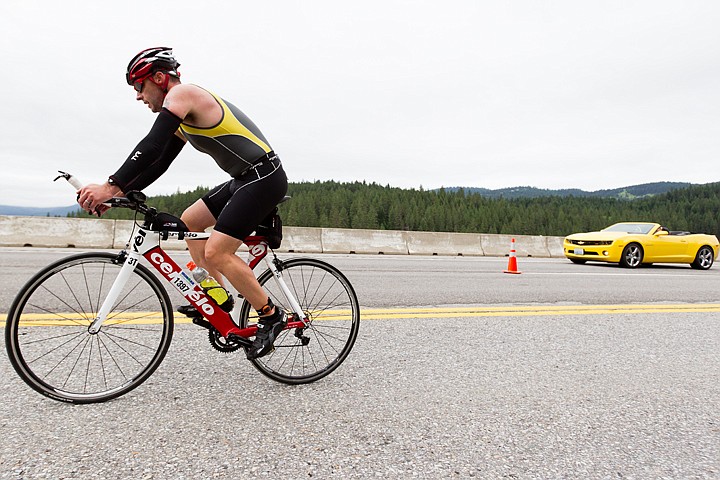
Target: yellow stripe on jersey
(229, 125)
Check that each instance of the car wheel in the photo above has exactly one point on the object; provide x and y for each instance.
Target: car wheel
(578, 261)
(632, 256)
(703, 259)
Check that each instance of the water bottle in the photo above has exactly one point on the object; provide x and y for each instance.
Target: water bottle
(211, 287)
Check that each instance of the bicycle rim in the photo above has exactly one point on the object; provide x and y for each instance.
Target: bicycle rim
(47, 334)
(330, 304)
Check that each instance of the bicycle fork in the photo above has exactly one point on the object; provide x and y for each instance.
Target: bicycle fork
(125, 271)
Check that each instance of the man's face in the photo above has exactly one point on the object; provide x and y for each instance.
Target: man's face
(150, 92)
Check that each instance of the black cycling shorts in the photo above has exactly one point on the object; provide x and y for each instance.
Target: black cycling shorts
(240, 204)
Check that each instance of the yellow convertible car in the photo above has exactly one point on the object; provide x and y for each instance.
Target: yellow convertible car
(634, 243)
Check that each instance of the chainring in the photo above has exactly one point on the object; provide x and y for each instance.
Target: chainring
(219, 342)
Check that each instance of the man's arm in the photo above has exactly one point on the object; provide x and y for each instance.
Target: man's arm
(149, 160)
(160, 145)
(156, 169)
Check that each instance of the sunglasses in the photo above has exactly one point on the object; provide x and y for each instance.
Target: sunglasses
(138, 86)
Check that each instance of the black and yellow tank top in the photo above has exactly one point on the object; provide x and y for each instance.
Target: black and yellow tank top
(235, 142)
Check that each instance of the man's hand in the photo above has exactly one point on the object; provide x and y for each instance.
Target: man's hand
(91, 197)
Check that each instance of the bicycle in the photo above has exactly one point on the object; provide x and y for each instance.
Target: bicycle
(94, 326)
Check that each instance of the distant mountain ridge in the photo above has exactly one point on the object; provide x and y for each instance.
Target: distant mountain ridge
(624, 193)
(38, 211)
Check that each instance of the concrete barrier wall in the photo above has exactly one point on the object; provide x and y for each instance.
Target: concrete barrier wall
(101, 233)
(525, 245)
(299, 239)
(341, 240)
(441, 243)
(56, 232)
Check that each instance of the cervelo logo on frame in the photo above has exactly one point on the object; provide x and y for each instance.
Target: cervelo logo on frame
(139, 240)
(195, 295)
(257, 250)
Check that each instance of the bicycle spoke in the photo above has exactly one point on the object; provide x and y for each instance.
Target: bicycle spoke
(102, 363)
(330, 304)
(72, 292)
(119, 337)
(123, 299)
(318, 333)
(87, 289)
(65, 357)
(122, 328)
(73, 320)
(58, 347)
(100, 289)
(113, 338)
(87, 367)
(120, 322)
(307, 283)
(54, 337)
(112, 357)
(320, 345)
(82, 314)
(77, 360)
(312, 301)
(326, 325)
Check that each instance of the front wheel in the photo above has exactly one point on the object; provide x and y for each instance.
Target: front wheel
(632, 256)
(327, 298)
(704, 258)
(47, 335)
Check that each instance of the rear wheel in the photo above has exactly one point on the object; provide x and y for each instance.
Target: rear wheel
(47, 335)
(632, 256)
(304, 355)
(704, 258)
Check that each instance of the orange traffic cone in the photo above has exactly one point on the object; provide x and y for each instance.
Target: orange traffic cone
(512, 261)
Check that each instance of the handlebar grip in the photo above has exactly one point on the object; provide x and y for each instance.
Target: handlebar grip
(75, 182)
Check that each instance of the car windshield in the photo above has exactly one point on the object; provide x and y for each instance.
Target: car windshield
(643, 228)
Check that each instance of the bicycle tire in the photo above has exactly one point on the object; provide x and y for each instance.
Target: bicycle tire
(329, 302)
(47, 336)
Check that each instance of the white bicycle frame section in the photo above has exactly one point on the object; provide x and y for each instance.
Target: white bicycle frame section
(146, 244)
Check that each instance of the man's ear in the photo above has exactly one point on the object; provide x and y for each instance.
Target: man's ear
(157, 78)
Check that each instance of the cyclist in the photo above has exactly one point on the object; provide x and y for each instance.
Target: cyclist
(189, 113)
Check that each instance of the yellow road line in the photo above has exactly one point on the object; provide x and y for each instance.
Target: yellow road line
(538, 310)
(144, 318)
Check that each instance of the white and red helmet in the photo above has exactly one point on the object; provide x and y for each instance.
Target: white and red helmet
(149, 61)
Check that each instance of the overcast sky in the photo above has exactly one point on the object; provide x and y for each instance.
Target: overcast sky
(551, 94)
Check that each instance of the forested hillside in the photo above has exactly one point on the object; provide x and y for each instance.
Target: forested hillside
(362, 205)
(625, 193)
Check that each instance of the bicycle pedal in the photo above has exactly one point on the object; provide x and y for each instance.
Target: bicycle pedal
(189, 311)
(238, 340)
(261, 356)
(201, 322)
